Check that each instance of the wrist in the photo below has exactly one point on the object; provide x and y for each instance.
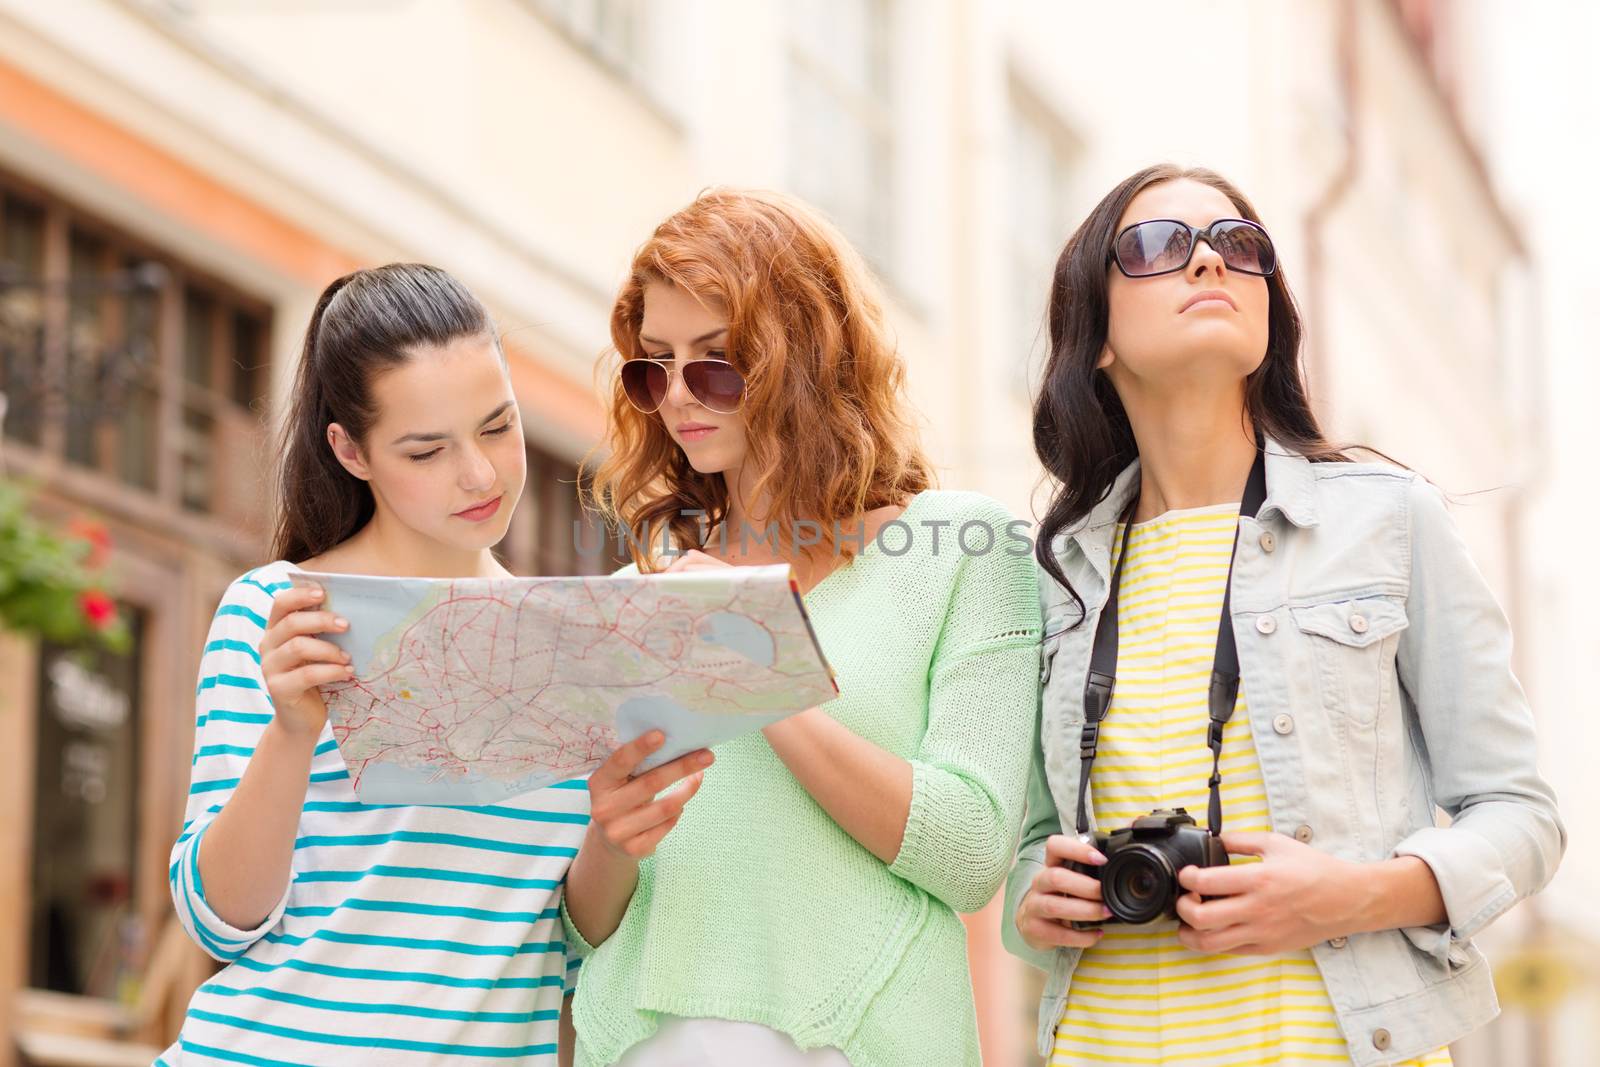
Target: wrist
(1383, 894)
(292, 739)
(596, 848)
(287, 733)
(1363, 889)
(1410, 895)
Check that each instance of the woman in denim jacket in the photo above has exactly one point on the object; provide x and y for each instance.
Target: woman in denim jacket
(1374, 683)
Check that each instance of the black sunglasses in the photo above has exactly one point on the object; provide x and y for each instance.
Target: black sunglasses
(712, 382)
(1161, 246)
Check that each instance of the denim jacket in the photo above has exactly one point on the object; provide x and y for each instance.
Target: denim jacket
(1377, 667)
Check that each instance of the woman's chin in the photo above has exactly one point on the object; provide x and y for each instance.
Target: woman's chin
(1212, 358)
(707, 465)
(477, 538)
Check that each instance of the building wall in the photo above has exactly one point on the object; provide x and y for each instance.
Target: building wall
(1527, 86)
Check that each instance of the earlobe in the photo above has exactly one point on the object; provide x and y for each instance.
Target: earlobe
(1106, 358)
(346, 452)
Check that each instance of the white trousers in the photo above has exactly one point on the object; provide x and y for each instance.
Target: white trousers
(723, 1043)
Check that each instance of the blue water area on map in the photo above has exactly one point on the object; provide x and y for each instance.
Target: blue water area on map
(686, 729)
(742, 634)
(373, 607)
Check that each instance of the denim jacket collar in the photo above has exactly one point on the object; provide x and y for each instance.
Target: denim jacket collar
(1291, 491)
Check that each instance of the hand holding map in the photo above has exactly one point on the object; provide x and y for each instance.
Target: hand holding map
(470, 690)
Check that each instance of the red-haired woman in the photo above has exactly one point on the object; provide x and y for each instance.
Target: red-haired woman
(804, 909)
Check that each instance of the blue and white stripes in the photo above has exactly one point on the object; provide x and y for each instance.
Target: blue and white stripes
(403, 935)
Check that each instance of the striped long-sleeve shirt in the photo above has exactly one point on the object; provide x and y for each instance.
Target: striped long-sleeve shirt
(402, 935)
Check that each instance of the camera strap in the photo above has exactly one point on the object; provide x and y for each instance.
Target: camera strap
(1224, 689)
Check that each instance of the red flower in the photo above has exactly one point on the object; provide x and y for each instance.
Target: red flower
(99, 539)
(99, 609)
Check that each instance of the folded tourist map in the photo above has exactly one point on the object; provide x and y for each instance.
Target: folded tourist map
(471, 690)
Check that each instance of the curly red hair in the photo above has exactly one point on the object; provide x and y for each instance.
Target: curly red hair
(826, 418)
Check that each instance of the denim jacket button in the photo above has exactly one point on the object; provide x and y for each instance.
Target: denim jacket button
(1338, 942)
(1358, 623)
(1302, 834)
(1282, 724)
(1266, 624)
(1380, 1040)
(1267, 541)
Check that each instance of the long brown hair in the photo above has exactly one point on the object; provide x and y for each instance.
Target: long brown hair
(1080, 429)
(364, 323)
(824, 405)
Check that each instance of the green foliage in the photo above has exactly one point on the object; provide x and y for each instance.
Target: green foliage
(52, 582)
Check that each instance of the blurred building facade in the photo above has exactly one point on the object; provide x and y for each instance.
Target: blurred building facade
(181, 177)
(1524, 80)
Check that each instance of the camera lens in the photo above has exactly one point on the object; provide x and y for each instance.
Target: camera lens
(1138, 884)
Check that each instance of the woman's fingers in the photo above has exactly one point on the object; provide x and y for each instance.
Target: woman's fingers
(635, 832)
(639, 791)
(294, 611)
(1061, 848)
(616, 774)
(1214, 914)
(1231, 880)
(1069, 909)
(296, 683)
(1045, 934)
(301, 623)
(620, 765)
(632, 813)
(1066, 883)
(1234, 940)
(295, 598)
(281, 667)
(302, 650)
(1060, 897)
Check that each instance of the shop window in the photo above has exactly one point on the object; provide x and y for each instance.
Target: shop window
(85, 933)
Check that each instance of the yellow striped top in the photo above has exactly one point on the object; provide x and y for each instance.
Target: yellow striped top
(1140, 997)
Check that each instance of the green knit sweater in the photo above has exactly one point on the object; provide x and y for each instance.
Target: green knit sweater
(758, 907)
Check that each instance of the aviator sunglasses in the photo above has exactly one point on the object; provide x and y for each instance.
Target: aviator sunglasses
(1161, 246)
(712, 382)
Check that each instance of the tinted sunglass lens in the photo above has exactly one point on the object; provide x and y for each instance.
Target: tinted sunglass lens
(644, 381)
(1245, 248)
(715, 384)
(1153, 247)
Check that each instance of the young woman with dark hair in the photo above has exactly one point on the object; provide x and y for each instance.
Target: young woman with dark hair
(1242, 621)
(804, 912)
(359, 933)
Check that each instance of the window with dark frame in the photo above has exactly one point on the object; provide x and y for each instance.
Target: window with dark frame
(114, 355)
(21, 316)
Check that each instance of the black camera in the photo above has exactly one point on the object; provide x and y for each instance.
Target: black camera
(1139, 880)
